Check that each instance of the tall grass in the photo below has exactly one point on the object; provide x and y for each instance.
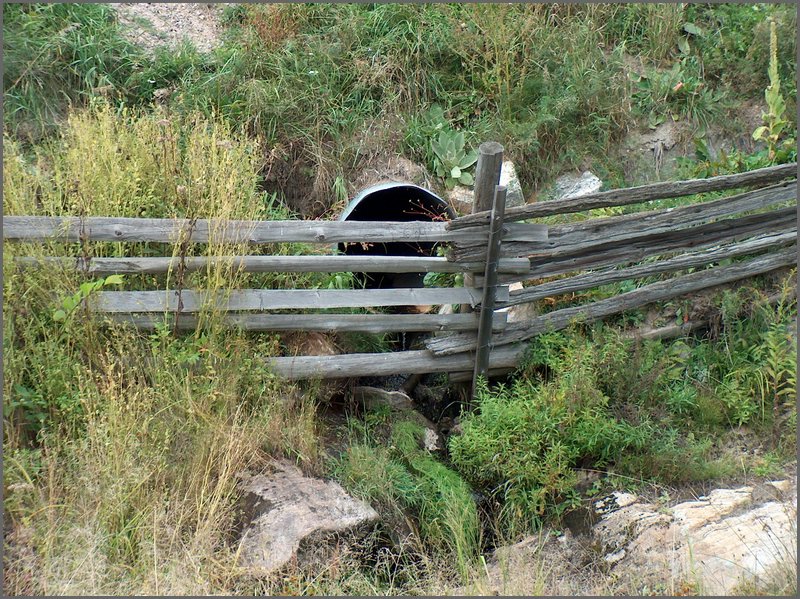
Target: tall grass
(56, 55)
(123, 447)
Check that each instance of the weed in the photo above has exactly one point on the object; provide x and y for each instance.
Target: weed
(451, 161)
(774, 122)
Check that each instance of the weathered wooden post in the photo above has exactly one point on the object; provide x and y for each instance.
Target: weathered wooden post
(489, 288)
(487, 177)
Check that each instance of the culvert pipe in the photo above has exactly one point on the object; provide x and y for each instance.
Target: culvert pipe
(394, 202)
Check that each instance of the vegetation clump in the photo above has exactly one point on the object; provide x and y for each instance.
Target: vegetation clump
(122, 446)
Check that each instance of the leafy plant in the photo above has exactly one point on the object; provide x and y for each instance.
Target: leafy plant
(451, 160)
(70, 303)
(774, 122)
(523, 443)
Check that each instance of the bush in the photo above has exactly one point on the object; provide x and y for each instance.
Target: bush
(525, 440)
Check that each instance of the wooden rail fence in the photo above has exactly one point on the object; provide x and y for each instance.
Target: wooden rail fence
(491, 247)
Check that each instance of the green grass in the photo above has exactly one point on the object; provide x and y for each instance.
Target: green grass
(57, 55)
(325, 87)
(121, 447)
(386, 466)
(652, 411)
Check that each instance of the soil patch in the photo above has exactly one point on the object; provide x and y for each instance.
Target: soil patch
(152, 25)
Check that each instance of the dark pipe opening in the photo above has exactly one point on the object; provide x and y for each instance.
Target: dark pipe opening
(394, 202)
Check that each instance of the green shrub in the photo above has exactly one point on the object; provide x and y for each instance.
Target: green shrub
(526, 438)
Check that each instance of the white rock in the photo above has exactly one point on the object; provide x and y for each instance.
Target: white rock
(508, 177)
(721, 540)
(288, 507)
(572, 186)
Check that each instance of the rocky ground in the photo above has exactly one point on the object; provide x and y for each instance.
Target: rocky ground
(151, 25)
(736, 539)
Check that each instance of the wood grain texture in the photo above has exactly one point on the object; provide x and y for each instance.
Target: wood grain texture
(407, 362)
(636, 195)
(393, 264)
(661, 291)
(614, 275)
(489, 288)
(282, 299)
(563, 239)
(101, 228)
(361, 323)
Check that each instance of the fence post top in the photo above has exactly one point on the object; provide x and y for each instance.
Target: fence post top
(489, 148)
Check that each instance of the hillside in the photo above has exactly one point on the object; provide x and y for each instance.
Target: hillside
(174, 460)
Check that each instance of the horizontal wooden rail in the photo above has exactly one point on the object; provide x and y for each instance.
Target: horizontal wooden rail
(642, 245)
(406, 362)
(157, 265)
(101, 228)
(361, 323)
(564, 238)
(690, 260)
(598, 254)
(655, 292)
(635, 195)
(466, 377)
(283, 299)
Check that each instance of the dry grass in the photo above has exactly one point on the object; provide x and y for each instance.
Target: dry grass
(122, 448)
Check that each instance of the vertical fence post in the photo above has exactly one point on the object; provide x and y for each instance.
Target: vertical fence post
(489, 288)
(487, 176)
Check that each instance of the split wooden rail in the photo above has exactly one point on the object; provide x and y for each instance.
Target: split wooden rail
(728, 239)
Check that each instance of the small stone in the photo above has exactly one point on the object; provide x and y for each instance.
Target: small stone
(430, 440)
(784, 486)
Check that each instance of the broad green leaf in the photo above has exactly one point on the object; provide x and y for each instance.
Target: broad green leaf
(692, 28)
(455, 172)
(758, 133)
(683, 45)
(59, 316)
(114, 280)
(466, 179)
(469, 160)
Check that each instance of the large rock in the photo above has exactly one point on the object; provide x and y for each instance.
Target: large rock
(627, 546)
(574, 186)
(287, 509)
(508, 177)
(730, 537)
